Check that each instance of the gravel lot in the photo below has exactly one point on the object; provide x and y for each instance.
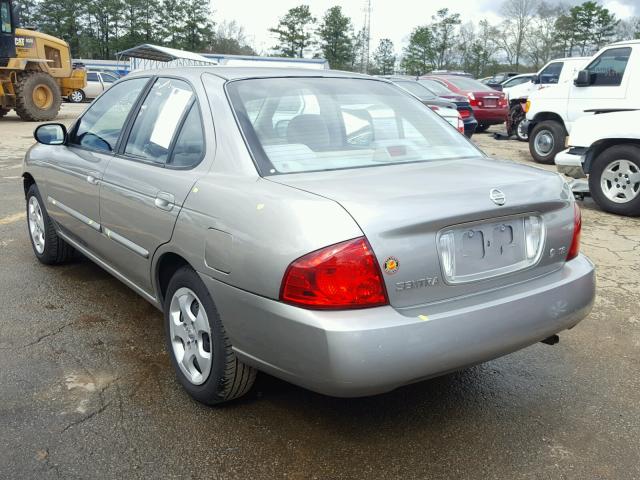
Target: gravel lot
(87, 390)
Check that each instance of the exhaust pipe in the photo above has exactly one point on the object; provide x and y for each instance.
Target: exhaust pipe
(552, 340)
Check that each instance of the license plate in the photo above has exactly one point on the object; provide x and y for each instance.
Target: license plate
(490, 102)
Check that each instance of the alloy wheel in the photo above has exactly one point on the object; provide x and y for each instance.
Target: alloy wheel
(36, 224)
(620, 181)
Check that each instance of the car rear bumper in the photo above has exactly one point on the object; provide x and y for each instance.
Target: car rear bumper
(491, 116)
(470, 125)
(370, 351)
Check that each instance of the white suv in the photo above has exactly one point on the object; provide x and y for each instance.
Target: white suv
(609, 82)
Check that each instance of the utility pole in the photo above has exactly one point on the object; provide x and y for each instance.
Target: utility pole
(367, 34)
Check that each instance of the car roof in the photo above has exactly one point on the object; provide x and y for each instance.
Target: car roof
(238, 73)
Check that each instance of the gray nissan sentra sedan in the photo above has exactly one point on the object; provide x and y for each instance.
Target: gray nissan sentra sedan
(324, 227)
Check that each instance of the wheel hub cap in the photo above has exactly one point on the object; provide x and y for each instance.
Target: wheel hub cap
(36, 224)
(620, 181)
(544, 143)
(190, 335)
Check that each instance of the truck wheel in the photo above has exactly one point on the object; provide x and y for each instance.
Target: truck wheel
(48, 247)
(77, 96)
(546, 140)
(4, 111)
(37, 97)
(198, 345)
(614, 180)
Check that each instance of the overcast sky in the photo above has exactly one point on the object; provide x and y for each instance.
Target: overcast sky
(390, 18)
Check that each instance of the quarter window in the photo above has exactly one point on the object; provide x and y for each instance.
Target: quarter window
(608, 69)
(100, 127)
(551, 74)
(158, 120)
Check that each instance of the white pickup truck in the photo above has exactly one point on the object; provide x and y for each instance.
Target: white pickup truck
(609, 82)
(606, 149)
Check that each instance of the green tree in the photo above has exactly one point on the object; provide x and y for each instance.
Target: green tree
(230, 38)
(335, 34)
(443, 30)
(197, 27)
(586, 28)
(293, 31)
(385, 57)
(419, 55)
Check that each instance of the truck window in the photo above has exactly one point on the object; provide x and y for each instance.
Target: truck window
(551, 73)
(5, 17)
(608, 69)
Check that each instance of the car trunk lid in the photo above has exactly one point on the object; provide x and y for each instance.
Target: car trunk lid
(405, 209)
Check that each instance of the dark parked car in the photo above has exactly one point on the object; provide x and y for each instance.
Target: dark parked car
(490, 107)
(462, 103)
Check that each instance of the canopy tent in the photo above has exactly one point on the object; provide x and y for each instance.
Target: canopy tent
(148, 56)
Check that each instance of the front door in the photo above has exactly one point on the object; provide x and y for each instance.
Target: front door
(7, 33)
(609, 76)
(76, 169)
(146, 184)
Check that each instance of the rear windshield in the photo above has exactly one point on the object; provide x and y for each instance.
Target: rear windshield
(313, 124)
(416, 89)
(434, 86)
(469, 85)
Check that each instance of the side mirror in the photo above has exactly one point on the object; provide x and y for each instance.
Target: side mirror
(535, 79)
(583, 79)
(51, 134)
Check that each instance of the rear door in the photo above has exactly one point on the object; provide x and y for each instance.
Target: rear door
(94, 85)
(146, 184)
(76, 169)
(610, 74)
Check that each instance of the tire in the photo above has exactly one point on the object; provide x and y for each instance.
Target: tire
(77, 96)
(32, 87)
(481, 128)
(611, 166)
(520, 132)
(219, 378)
(4, 111)
(546, 140)
(47, 246)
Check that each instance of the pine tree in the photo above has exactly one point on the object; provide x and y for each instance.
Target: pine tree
(335, 35)
(293, 31)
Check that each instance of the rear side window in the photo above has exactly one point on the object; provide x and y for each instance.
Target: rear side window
(158, 120)
(100, 127)
(92, 77)
(189, 147)
(608, 69)
(551, 73)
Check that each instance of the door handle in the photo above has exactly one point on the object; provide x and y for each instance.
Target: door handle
(164, 201)
(92, 178)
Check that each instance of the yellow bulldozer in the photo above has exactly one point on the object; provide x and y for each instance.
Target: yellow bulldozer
(36, 71)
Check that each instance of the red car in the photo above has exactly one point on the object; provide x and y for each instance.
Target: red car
(490, 107)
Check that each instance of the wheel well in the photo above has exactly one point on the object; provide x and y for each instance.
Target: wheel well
(544, 116)
(27, 181)
(168, 264)
(600, 146)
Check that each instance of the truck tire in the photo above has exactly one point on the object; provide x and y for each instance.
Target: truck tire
(546, 140)
(48, 247)
(614, 180)
(37, 97)
(4, 111)
(198, 345)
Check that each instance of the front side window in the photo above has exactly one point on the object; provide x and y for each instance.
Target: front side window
(158, 119)
(342, 123)
(5, 17)
(551, 73)
(608, 69)
(100, 127)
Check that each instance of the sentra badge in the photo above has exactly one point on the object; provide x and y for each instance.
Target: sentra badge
(391, 265)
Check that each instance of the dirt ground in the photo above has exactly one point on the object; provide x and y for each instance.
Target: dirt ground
(87, 389)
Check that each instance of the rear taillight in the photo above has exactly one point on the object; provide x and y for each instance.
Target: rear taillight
(472, 99)
(465, 113)
(460, 124)
(574, 249)
(345, 275)
(435, 108)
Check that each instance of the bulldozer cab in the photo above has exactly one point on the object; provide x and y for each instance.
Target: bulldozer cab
(7, 32)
